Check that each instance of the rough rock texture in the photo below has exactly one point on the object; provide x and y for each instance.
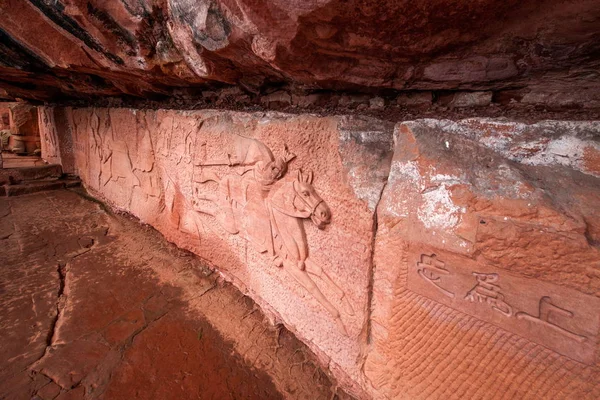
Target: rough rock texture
(487, 279)
(155, 47)
(23, 119)
(457, 259)
(18, 175)
(202, 179)
(96, 306)
(55, 129)
(4, 117)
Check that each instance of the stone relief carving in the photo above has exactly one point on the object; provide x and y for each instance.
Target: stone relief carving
(142, 161)
(519, 305)
(546, 311)
(255, 202)
(50, 138)
(432, 269)
(487, 290)
(102, 145)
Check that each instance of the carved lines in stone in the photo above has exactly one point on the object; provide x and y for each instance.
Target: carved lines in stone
(548, 311)
(432, 270)
(487, 290)
(253, 199)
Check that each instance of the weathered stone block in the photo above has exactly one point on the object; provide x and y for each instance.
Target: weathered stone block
(471, 99)
(481, 263)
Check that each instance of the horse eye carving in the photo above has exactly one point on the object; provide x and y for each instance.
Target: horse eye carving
(305, 194)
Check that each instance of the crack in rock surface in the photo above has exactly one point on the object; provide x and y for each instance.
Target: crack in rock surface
(92, 314)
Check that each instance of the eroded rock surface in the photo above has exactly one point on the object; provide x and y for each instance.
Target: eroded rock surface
(148, 48)
(486, 269)
(97, 306)
(423, 259)
(262, 197)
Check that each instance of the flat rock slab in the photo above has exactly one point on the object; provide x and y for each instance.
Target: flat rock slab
(97, 306)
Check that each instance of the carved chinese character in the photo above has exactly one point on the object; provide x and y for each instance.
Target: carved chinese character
(487, 290)
(547, 314)
(431, 269)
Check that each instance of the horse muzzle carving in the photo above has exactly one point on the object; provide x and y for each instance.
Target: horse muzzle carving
(321, 216)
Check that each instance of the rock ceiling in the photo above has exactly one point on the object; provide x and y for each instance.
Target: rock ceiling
(60, 49)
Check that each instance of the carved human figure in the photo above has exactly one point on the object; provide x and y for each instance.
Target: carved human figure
(272, 219)
(241, 196)
(255, 155)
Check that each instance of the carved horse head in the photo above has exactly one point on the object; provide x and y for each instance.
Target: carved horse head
(308, 202)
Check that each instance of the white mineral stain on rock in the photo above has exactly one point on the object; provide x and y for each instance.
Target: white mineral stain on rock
(542, 143)
(365, 190)
(438, 211)
(407, 171)
(566, 150)
(447, 180)
(404, 175)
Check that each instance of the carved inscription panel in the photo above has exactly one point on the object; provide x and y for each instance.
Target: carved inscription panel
(561, 319)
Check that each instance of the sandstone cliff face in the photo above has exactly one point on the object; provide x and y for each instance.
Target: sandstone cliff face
(162, 48)
(427, 259)
(418, 257)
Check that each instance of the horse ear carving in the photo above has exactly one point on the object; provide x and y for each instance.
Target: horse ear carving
(309, 178)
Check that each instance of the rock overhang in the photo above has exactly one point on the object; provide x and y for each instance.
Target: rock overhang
(478, 227)
(161, 49)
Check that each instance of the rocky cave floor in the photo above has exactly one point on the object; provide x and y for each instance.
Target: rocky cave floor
(96, 305)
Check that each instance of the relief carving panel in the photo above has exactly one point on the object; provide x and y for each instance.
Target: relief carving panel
(269, 216)
(486, 271)
(561, 319)
(48, 135)
(265, 199)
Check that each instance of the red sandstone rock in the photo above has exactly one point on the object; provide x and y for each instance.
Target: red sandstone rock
(18, 175)
(471, 99)
(466, 250)
(49, 392)
(4, 118)
(106, 309)
(83, 48)
(205, 180)
(481, 264)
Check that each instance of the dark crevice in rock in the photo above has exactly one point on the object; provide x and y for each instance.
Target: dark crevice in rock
(55, 11)
(389, 105)
(135, 7)
(62, 273)
(15, 55)
(123, 36)
(591, 239)
(84, 194)
(372, 267)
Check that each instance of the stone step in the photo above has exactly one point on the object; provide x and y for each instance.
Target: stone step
(11, 160)
(38, 186)
(18, 175)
